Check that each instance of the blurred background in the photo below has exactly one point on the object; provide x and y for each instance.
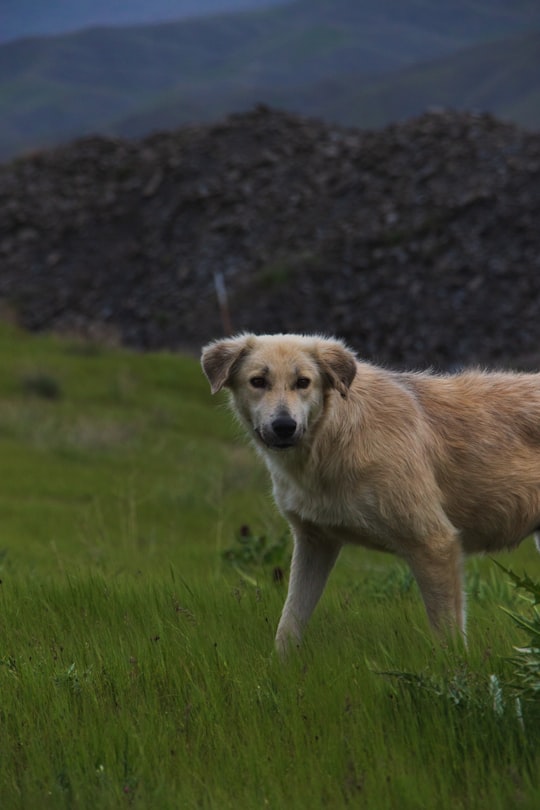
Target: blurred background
(369, 168)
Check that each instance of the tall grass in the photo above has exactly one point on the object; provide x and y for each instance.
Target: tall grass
(136, 664)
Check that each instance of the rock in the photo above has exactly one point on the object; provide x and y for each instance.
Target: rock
(418, 244)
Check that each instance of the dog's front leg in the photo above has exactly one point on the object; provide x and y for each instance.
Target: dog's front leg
(312, 561)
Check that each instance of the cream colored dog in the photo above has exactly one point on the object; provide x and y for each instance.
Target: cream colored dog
(427, 467)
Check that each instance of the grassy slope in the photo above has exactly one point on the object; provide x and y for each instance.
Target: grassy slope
(135, 669)
(54, 88)
(131, 448)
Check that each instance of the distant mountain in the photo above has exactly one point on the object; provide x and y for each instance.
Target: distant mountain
(339, 59)
(27, 18)
(500, 77)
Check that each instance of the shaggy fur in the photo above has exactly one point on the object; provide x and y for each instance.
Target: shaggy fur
(427, 467)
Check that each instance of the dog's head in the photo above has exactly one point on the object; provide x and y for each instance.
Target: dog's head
(279, 382)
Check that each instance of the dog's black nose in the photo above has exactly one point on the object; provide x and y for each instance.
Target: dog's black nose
(284, 427)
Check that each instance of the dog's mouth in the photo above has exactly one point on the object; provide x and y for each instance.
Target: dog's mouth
(280, 445)
(274, 442)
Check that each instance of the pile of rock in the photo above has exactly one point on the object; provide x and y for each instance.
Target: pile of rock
(419, 244)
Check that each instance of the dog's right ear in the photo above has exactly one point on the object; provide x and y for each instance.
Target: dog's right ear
(218, 360)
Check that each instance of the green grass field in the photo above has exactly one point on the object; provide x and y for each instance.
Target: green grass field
(136, 665)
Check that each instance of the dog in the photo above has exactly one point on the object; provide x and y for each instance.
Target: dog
(428, 467)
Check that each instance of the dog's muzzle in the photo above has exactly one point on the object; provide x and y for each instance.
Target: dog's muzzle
(281, 433)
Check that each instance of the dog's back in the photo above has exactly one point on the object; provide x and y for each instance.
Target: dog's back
(485, 452)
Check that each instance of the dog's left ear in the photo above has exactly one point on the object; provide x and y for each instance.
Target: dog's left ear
(219, 358)
(338, 364)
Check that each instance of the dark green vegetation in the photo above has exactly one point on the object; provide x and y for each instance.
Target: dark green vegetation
(135, 662)
(341, 60)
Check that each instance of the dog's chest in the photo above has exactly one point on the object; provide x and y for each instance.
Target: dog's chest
(320, 502)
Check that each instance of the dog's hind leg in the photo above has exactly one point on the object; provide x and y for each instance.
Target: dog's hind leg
(311, 564)
(536, 536)
(437, 569)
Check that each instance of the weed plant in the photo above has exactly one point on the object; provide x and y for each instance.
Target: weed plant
(136, 663)
(253, 554)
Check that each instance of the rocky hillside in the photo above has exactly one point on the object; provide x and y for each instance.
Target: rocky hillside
(419, 244)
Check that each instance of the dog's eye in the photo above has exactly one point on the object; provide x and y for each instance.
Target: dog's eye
(258, 382)
(303, 382)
